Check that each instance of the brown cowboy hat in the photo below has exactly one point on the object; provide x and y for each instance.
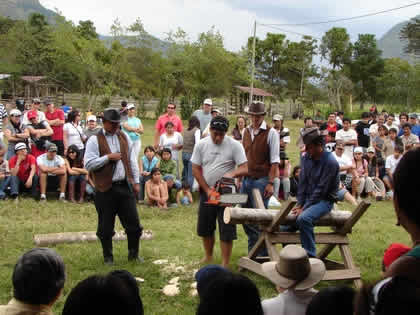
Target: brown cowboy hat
(256, 108)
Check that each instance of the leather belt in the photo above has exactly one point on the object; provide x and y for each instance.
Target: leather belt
(119, 182)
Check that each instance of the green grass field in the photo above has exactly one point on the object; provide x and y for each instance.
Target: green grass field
(175, 239)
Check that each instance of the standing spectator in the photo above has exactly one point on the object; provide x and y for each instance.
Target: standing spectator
(15, 132)
(390, 122)
(73, 133)
(409, 140)
(318, 118)
(318, 186)
(214, 113)
(23, 170)
(40, 132)
(403, 118)
(55, 118)
(390, 142)
(379, 142)
(239, 129)
(133, 127)
(348, 137)
(3, 120)
(262, 148)
(76, 173)
(172, 140)
(215, 157)
(52, 172)
(284, 132)
(161, 122)
(330, 126)
(415, 127)
(374, 128)
(362, 129)
(339, 118)
(295, 275)
(92, 128)
(191, 138)
(360, 172)
(124, 111)
(373, 109)
(66, 109)
(38, 281)
(20, 104)
(204, 115)
(390, 166)
(147, 163)
(35, 106)
(111, 161)
(4, 172)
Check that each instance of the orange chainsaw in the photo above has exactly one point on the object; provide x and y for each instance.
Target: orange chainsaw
(224, 193)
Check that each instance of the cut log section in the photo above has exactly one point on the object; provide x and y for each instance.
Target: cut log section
(79, 237)
(265, 217)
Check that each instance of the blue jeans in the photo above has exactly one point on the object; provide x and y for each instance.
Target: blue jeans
(187, 170)
(185, 200)
(305, 223)
(252, 230)
(16, 185)
(4, 183)
(75, 178)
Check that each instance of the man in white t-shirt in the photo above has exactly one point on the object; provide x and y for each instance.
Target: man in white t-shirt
(373, 129)
(215, 157)
(52, 171)
(390, 166)
(348, 137)
(36, 105)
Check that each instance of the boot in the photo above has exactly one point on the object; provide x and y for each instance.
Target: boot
(71, 188)
(107, 251)
(82, 191)
(133, 248)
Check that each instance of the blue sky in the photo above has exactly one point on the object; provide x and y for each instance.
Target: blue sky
(234, 18)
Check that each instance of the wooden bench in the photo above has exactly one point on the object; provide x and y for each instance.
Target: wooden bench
(269, 221)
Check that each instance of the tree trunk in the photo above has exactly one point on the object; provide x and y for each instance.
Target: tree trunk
(78, 237)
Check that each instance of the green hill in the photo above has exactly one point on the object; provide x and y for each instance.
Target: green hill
(391, 44)
(21, 9)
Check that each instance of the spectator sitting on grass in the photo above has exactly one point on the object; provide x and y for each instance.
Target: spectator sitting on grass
(332, 301)
(38, 280)
(390, 166)
(168, 170)
(184, 196)
(4, 172)
(156, 190)
(148, 162)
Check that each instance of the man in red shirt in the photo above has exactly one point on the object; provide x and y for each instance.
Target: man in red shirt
(55, 118)
(23, 170)
(330, 126)
(169, 116)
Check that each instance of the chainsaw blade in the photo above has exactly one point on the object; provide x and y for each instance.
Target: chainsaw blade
(233, 199)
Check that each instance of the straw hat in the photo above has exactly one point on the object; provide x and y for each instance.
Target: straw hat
(256, 108)
(294, 269)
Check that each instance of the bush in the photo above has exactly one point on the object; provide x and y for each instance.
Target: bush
(186, 108)
(160, 109)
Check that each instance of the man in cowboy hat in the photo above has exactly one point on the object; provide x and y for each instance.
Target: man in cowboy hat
(112, 162)
(296, 273)
(318, 187)
(262, 148)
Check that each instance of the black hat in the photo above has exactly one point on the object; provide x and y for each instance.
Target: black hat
(310, 134)
(112, 115)
(256, 108)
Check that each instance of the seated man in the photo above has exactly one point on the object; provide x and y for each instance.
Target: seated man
(40, 132)
(38, 280)
(52, 171)
(156, 190)
(23, 172)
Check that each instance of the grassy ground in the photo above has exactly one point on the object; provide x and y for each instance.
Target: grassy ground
(175, 240)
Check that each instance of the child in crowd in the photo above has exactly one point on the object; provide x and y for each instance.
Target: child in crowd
(168, 170)
(4, 172)
(148, 162)
(390, 166)
(157, 190)
(360, 171)
(394, 251)
(184, 196)
(330, 141)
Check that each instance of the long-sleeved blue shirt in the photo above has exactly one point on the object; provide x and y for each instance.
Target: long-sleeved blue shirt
(318, 180)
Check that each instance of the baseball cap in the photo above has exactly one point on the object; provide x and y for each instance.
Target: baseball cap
(15, 112)
(208, 101)
(414, 115)
(36, 100)
(32, 114)
(20, 146)
(393, 252)
(277, 117)
(52, 147)
(358, 150)
(48, 102)
(370, 150)
(215, 110)
(91, 118)
(219, 123)
(130, 106)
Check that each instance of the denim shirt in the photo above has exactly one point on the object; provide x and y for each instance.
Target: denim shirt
(318, 180)
(149, 165)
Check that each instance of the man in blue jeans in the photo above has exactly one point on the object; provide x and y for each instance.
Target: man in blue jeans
(262, 148)
(318, 186)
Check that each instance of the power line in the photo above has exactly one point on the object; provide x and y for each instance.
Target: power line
(287, 31)
(346, 19)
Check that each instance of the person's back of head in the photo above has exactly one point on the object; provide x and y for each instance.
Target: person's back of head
(38, 277)
(228, 294)
(331, 301)
(114, 293)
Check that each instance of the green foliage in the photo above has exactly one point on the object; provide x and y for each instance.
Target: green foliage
(186, 108)
(161, 108)
(336, 47)
(411, 33)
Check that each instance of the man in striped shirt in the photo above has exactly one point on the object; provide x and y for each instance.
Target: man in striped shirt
(3, 120)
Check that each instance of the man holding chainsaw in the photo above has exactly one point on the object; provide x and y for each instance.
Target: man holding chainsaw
(214, 158)
(262, 147)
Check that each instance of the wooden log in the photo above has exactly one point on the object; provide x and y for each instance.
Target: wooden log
(266, 217)
(78, 237)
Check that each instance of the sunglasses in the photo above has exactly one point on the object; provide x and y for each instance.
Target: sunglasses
(15, 115)
(219, 123)
(71, 152)
(171, 107)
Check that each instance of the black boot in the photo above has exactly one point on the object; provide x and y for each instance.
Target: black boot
(107, 251)
(133, 248)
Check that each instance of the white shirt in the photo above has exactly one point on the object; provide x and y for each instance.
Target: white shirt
(392, 126)
(40, 116)
(74, 135)
(168, 142)
(273, 141)
(391, 163)
(346, 136)
(342, 160)
(43, 160)
(290, 302)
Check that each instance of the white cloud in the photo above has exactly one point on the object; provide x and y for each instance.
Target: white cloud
(234, 18)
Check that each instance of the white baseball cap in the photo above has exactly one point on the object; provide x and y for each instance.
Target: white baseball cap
(15, 112)
(91, 118)
(277, 117)
(130, 106)
(208, 101)
(358, 150)
(20, 146)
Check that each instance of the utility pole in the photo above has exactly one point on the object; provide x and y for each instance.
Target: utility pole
(251, 94)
